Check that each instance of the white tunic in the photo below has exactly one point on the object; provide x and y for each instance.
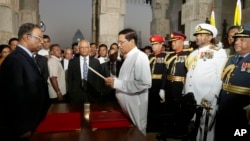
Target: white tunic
(56, 70)
(132, 86)
(204, 78)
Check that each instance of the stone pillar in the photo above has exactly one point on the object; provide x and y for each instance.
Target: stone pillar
(218, 6)
(9, 20)
(160, 22)
(246, 15)
(109, 20)
(29, 12)
(193, 13)
(94, 20)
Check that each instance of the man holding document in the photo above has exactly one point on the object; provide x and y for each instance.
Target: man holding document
(133, 81)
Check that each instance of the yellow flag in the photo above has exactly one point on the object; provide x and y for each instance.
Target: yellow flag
(237, 13)
(212, 18)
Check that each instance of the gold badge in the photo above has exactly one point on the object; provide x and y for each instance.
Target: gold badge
(241, 29)
(199, 28)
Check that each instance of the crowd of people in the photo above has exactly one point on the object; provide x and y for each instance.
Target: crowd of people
(162, 88)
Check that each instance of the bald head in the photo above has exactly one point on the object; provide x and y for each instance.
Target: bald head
(84, 48)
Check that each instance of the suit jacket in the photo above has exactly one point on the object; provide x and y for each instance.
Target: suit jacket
(42, 62)
(90, 90)
(22, 95)
(106, 68)
(43, 65)
(108, 94)
(62, 62)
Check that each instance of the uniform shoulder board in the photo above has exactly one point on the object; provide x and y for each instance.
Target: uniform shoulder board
(188, 49)
(214, 47)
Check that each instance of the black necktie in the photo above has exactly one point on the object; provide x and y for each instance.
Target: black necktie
(239, 59)
(113, 67)
(34, 58)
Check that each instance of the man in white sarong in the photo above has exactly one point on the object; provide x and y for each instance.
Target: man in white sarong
(205, 65)
(133, 81)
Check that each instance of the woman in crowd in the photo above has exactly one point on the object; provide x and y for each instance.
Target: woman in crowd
(4, 52)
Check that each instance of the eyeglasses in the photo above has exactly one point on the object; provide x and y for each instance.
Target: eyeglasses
(121, 42)
(37, 37)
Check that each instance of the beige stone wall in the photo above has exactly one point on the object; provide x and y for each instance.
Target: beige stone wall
(193, 13)
(13, 13)
(8, 22)
(29, 12)
(160, 22)
(246, 13)
(246, 16)
(111, 19)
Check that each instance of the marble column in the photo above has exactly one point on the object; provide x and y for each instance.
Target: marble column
(160, 21)
(246, 14)
(109, 20)
(9, 19)
(94, 20)
(29, 12)
(193, 13)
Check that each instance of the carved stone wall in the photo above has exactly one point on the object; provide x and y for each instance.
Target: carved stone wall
(29, 12)
(9, 18)
(246, 13)
(13, 13)
(193, 13)
(160, 22)
(108, 16)
(109, 20)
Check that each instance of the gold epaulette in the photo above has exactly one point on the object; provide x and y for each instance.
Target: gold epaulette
(152, 59)
(214, 47)
(188, 49)
(169, 52)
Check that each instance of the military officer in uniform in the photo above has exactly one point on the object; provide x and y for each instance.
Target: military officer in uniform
(172, 83)
(235, 93)
(203, 79)
(157, 64)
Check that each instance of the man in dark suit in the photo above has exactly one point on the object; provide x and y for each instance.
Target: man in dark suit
(110, 68)
(84, 85)
(22, 90)
(42, 62)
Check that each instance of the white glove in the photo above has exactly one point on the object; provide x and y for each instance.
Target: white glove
(207, 100)
(247, 108)
(209, 97)
(162, 95)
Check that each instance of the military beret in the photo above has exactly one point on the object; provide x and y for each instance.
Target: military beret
(244, 32)
(205, 28)
(176, 36)
(156, 39)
